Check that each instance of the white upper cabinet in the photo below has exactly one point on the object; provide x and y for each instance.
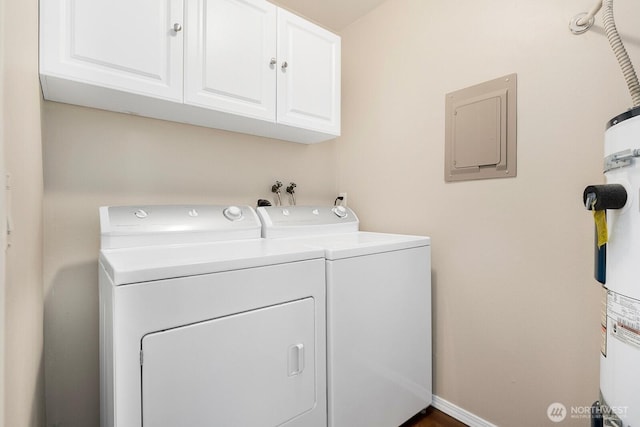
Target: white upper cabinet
(239, 65)
(308, 74)
(119, 44)
(229, 45)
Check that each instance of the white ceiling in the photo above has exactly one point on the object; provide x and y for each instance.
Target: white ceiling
(333, 14)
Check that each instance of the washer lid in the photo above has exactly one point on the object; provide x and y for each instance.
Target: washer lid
(347, 245)
(144, 264)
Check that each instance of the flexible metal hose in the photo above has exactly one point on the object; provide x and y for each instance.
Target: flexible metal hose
(621, 53)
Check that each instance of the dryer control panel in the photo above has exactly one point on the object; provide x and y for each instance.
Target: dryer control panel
(145, 225)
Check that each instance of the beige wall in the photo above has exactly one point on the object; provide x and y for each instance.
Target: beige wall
(516, 311)
(23, 400)
(94, 158)
(3, 223)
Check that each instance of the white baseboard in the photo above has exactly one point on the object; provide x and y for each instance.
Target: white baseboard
(459, 414)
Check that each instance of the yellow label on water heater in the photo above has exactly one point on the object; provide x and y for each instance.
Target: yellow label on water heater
(600, 217)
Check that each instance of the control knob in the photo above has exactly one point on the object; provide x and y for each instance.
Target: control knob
(340, 211)
(141, 213)
(233, 213)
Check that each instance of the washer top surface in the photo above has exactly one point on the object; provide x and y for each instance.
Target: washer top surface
(359, 243)
(336, 232)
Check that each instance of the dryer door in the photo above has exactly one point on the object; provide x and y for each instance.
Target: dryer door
(255, 368)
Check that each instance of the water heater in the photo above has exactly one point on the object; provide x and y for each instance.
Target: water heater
(616, 207)
(618, 267)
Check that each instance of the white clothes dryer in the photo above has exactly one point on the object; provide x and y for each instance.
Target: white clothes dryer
(378, 313)
(203, 323)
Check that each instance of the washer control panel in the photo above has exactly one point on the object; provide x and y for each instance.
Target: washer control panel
(285, 221)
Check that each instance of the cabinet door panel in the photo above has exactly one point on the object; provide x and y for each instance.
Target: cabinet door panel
(124, 45)
(229, 48)
(309, 85)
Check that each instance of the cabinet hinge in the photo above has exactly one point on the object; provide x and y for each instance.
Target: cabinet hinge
(141, 358)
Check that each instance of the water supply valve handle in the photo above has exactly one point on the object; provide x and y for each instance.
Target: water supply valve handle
(275, 188)
(291, 188)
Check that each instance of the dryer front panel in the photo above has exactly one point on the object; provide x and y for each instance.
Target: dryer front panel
(249, 369)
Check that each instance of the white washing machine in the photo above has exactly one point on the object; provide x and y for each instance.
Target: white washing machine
(203, 323)
(378, 313)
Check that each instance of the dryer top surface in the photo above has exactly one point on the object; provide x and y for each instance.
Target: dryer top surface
(149, 263)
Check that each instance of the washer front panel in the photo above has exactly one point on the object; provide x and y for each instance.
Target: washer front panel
(379, 338)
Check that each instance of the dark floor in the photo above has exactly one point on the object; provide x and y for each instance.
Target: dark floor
(433, 418)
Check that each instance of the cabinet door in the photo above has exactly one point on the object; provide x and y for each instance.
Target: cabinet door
(308, 75)
(119, 44)
(255, 368)
(229, 49)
